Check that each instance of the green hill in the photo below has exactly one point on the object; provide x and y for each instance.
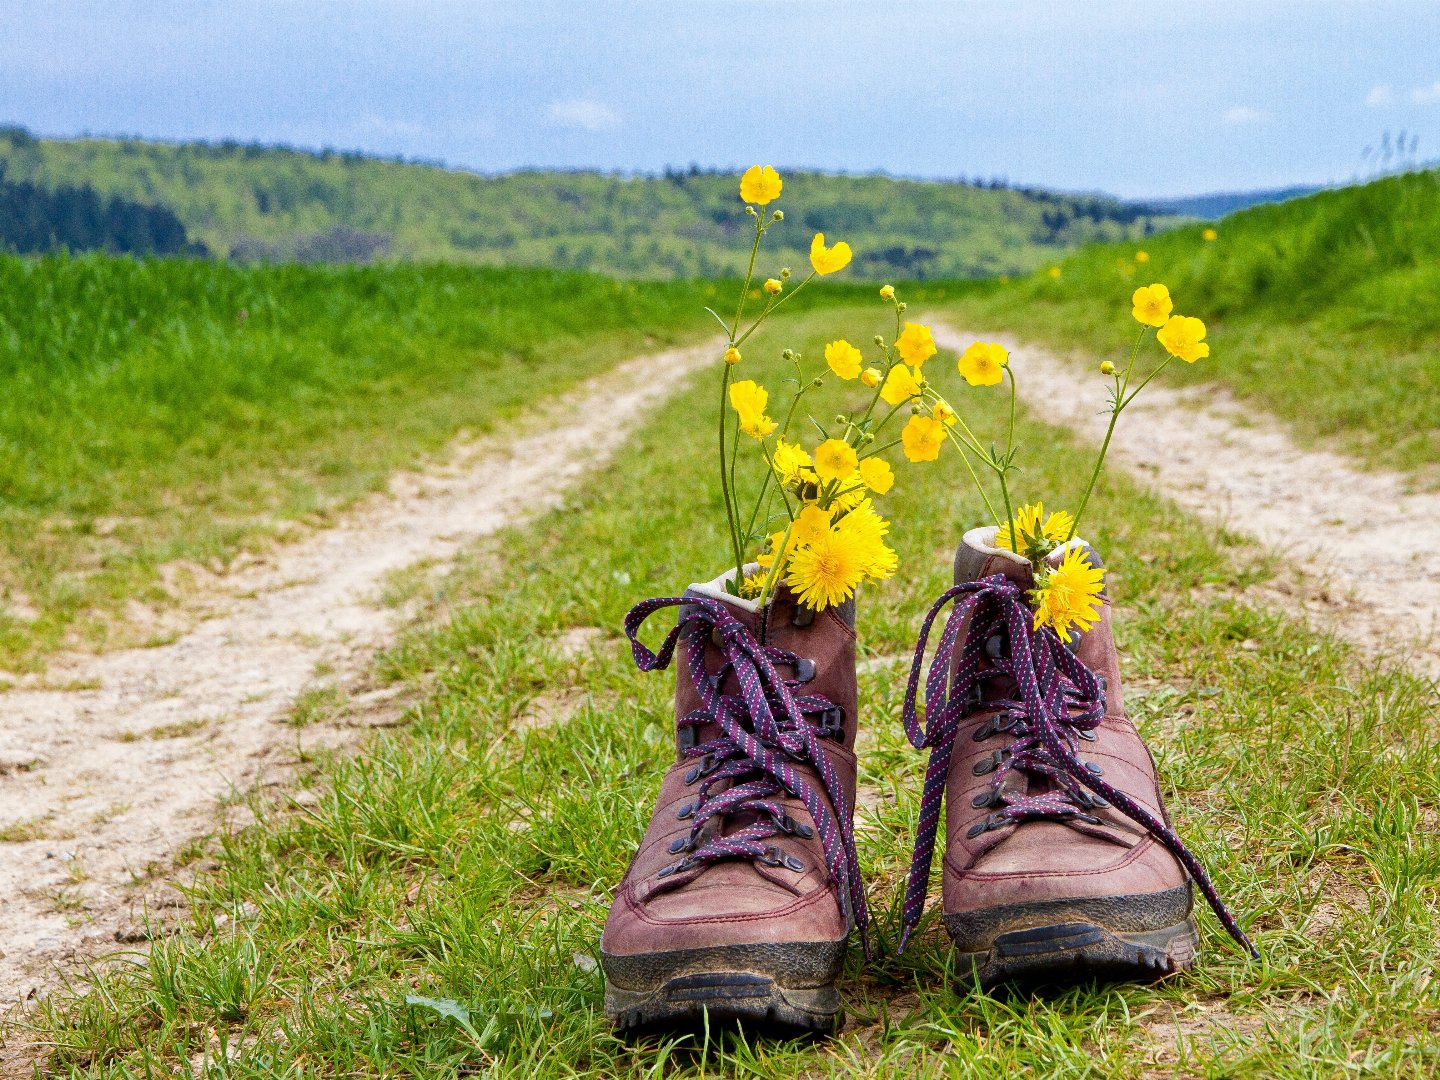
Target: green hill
(258, 202)
(1324, 309)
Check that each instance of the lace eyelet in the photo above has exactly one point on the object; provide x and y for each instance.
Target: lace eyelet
(804, 670)
(679, 844)
(686, 811)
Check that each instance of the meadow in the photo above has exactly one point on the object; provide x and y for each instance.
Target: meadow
(434, 908)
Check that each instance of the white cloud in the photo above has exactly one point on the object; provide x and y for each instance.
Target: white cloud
(1379, 96)
(1426, 95)
(1244, 114)
(585, 115)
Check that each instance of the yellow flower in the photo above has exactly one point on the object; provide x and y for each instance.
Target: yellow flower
(900, 386)
(773, 286)
(887, 292)
(983, 363)
(1151, 305)
(1142, 256)
(825, 573)
(870, 377)
(760, 185)
(732, 355)
(1209, 234)
(877, 475)
(826, 260)
(749, 400)
(810, 525)
(1107, 368)
(790, 462)
(922, 438)
(944, 413)
(834, 460)
(844, 359)
(751, 584)
(1184, 336)
(916, 344)
(1030, 523)
(868, 529)
(1069, 595)
(1054, 271)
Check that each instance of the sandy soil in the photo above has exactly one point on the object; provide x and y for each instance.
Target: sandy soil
(111, 764)
(1366, 551)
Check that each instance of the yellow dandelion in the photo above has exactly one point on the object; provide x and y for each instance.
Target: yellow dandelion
(983, 363)
(1151, 305)
(1031, 523)
(752, 584)
(916, 344)
(761, 184)
(1184, 336)
(922, 438)
(900, 386)
(868, 529)
(844, 359)
(825, 573)
(1069, 595)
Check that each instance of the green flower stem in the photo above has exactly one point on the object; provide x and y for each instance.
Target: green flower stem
(769, 587)
(771, 308)
(732, 513)
(964, 457)
(1117, 406)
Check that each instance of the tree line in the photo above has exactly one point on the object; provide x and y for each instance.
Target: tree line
(34, 219)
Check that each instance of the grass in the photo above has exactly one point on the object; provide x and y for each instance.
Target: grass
(436, 910)
(1324, 311)
(181, 410)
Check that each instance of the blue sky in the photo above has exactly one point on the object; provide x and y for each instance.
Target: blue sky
(1133, 98)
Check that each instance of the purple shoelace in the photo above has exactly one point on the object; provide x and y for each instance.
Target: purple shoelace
(764, 733)
(1058, 701)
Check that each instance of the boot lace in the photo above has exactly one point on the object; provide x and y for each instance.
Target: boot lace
(765, 733)
(1058, 702)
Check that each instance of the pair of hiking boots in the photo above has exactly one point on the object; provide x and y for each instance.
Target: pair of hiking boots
(1059, 860)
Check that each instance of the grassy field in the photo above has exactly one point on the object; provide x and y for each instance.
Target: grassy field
(469, 856)
(179, 410)
(270, 202)
(1323, 310)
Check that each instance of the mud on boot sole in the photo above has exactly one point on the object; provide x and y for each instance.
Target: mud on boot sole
(779, 990)
(1076, 951)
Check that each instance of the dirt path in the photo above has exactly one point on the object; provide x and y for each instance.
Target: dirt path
(1330, 520)
(101, 784)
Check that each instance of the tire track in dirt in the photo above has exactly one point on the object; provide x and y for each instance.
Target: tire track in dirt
(1366, 549)
(101, 785)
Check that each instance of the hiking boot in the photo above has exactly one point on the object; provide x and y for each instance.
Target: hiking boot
(738, 904)
(1060, 863)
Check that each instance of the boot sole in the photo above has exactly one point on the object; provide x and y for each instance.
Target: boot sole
(783, 990)
(1117, 938)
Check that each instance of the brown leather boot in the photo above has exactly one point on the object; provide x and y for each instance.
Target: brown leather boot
(741, 897)
(1060, 862)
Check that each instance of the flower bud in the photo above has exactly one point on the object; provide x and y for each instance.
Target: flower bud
(868, 437)
(772, 286)
(1107, 368)
(784, 273)
(788, 356)
(779, 215)
(887, 292)
(916, 410)
(879, 341)
(732, 355)
(817, 382)
(841, 418)
(751, 211)
(900, 307)
(870, 377)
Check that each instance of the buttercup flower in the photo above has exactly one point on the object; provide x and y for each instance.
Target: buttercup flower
(1209, 234)
(1107, 368)
(1142, 256)
(826, 260)
(732, 355)
(916, 344)
(922, 438)
(1152, 305)
(1069, 595)
(772, 286)
(825, 573)
(790, 462)
(1030, 523)
(810, 525)
(870, 377)
(760, 185)
(983, 363)
(1184, 336)
(887, 292)
(944, 413)
(900, 386)
(834, 460)
(877, 475)
(749, 399)
(844, 359)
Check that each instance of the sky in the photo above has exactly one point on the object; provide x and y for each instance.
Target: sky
(1137, 99)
